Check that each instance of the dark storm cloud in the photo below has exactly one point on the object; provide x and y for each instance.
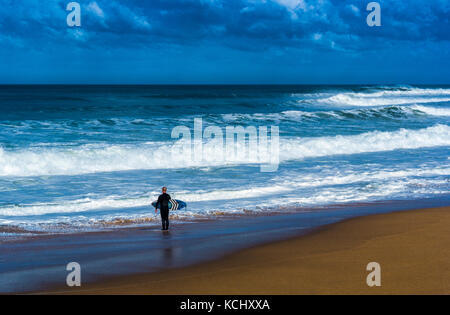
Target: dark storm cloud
(235, 22)
(315, 32)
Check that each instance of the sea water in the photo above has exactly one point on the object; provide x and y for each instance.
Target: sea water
(94, 157)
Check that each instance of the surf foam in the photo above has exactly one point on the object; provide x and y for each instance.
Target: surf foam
(279, 185)
(158, 155)
(385, 97)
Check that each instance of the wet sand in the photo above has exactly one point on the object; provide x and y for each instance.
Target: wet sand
(412, 247)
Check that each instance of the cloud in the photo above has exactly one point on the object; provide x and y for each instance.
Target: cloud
(94, 8)
(317, 36)
(240, 24)
(224, 41)
(354, 9)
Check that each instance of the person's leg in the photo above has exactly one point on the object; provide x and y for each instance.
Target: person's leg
(162, 220)
(165, 218)
(165, 222)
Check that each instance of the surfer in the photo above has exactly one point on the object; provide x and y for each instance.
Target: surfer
(163, 204)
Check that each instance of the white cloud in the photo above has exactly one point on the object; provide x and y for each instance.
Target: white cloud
(354, 9)
(317, 36)
(141, 22)
(95, 9)
(247, 9)
(292, 4)
(78, 34)
(138, 21)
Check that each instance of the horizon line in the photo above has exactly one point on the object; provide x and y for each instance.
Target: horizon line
(217, 84)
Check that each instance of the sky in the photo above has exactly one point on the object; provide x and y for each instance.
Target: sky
(225, 42)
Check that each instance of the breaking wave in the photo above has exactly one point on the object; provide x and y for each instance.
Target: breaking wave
(281, 185)
(94, 158)
(388, 112)
(388, 97)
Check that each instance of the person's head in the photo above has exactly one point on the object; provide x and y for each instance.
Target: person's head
(164, 190)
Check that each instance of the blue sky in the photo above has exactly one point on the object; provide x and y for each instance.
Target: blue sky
(225, 41)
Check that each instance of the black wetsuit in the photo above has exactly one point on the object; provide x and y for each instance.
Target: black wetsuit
(163, 204)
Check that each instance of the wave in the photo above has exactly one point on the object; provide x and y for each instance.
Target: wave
(432, 111)
(385, 97)
(408, 91)
(400, 189)
(120, 127)
(85, 124)
(279, 185)
(390, 112)
(122, 202)
(356, 99)
(375, 141)
(94, 158)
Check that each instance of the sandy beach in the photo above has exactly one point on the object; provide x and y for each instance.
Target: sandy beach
(412, 247)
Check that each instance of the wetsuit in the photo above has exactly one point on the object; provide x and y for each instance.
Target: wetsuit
(163, 204)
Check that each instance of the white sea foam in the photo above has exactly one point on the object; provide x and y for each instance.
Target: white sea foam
(432, 111)
(357, 99)
(401, 188)
(158, 155)
(385, 97)
(351, 177)
(388, 112)
(376, 141)
(122, 202)
(277, 186)
(409, 92)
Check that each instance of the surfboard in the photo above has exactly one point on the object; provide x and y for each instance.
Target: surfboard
(174, 204)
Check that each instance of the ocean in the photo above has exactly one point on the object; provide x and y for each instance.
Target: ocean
(90, 158)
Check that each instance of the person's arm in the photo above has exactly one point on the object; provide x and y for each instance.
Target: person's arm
(168, 200)
(157, 204)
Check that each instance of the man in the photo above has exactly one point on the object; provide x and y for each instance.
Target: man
(163, 204)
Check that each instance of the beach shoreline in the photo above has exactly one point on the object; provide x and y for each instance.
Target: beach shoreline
(24, 236)
(412, 248)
